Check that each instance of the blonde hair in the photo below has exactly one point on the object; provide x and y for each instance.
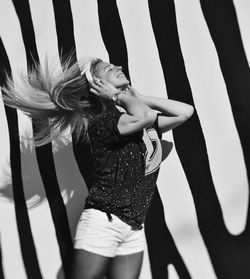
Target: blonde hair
(54, 100)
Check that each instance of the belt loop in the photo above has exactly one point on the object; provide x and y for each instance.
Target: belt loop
(109, 216)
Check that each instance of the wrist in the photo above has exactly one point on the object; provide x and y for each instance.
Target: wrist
(143, 98)
(116, 96)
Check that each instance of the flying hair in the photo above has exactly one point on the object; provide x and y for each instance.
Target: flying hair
(86, 71)
(55, 98)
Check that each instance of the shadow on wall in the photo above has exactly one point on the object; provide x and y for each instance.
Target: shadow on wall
(167, 146)
(72, 185)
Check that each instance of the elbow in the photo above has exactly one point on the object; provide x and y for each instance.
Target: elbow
(189, 112)
(150, 117)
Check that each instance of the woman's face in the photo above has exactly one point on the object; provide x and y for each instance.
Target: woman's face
(110, 73)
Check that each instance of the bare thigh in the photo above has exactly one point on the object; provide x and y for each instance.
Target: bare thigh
(87, 265)
(125, 267)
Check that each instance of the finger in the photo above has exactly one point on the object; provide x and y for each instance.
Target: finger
(94, 85)
(102, 81)
(96, 80)
(92, 90)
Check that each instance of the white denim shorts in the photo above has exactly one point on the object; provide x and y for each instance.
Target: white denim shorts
(96, 234)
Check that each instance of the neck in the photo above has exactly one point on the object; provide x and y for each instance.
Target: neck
(108, 104)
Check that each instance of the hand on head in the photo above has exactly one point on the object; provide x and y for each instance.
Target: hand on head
(102, 88)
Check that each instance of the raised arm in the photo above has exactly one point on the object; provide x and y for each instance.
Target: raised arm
(138, 116)
(173, 113)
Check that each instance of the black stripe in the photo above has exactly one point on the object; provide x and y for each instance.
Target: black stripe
(112, 33)
(23, 224)
(44, 154)
(1, 263)
(224, 29)
(23, 12)
(66, 47)
(223, 26)
(161, 247)
(64, 27)
(189, 139)
(83, 156)
(58, 211)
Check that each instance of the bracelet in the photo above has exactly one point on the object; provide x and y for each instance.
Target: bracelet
(115, 96)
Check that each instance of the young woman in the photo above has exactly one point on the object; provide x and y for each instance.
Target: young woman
(124, 129)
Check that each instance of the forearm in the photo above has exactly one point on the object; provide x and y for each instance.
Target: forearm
(167, 107)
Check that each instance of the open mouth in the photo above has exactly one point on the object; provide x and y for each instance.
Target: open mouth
(121, 75)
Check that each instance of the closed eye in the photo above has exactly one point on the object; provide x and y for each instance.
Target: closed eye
(109, 68)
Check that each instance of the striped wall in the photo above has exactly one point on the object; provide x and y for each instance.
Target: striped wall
(192, 51)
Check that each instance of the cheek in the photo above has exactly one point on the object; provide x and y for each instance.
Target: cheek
(112, 79)
(109, 78)
(117, 82)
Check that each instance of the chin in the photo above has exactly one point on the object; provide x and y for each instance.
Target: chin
(122, 85)
(125, 82)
